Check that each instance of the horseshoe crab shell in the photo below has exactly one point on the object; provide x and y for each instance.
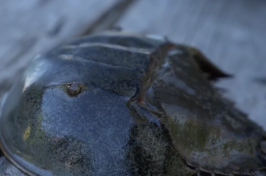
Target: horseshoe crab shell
(123, 104)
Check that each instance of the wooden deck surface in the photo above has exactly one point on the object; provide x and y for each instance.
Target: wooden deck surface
(231, 33)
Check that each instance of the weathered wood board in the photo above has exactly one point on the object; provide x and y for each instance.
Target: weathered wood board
(29, 27)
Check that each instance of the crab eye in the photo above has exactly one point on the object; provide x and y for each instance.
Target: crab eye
(74, 89)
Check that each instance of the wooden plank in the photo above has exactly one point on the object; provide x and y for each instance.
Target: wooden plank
(231, 33)
(8, 169)
(29, 27)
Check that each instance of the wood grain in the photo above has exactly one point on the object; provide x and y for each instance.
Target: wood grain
(34, 26)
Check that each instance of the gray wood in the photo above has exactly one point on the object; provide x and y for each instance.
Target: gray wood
(8, 169)
(232, 34)
(34, 26)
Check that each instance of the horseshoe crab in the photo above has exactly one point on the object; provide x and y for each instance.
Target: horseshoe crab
(123, 104)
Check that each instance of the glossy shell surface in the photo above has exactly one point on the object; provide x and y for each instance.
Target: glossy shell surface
(122, 104)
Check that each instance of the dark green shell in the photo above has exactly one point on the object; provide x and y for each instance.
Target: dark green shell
(146, 108)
